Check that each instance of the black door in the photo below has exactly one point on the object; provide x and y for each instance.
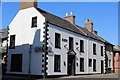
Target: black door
(102, 67)
(16, 63)
(71, 65)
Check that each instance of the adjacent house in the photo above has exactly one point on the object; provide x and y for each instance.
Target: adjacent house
(116, 59)
(3, 47)
(40, 43)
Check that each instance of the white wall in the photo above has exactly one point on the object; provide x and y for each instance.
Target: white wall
(63, 51)
(26, 36)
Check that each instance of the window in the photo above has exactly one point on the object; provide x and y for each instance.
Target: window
(82, 64)
(57, 40)
(94, 64)
(90, 62)
(94, 49)
(101, 50)
(57, 63)
(34, 22)
(71, 43)
(12, 42)
(109, 63)
(16, 63)
(81, 46)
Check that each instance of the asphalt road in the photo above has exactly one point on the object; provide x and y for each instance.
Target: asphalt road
(112, 76)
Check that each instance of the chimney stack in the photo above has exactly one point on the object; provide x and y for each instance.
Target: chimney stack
(27, 4)
(70, 18)
(89, 25)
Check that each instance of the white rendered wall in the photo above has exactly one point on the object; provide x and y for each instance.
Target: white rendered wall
(26, 36)
(63, 52)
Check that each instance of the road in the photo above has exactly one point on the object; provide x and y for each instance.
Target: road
(112, 76)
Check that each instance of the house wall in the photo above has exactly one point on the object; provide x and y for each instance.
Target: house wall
(88, 43)
(109, 57)
(24, 37)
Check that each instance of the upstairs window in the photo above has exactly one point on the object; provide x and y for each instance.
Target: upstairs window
(57, 63)
(12, 42)
(34, 22)
(94, 64)
(71, 43)
(94, 49)
(82, 64)
(81, 46)
(101, 50)
(57, 40)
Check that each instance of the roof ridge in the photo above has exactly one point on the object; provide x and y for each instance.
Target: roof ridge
(53, 15)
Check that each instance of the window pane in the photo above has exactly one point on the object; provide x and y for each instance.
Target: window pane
(101, 50)
(81, 46)
(57, 40)
(82, 64)
(71, 43)
(94, 65)
(57, 63)
(34, 22)
(90, 62)
(12, 41)
(94, 49)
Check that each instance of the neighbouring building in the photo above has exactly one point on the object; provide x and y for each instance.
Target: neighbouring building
(117, 59)
(40, 43)
(3, 48)
(109, 58)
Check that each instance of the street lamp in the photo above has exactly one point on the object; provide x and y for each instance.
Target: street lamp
(30, 51)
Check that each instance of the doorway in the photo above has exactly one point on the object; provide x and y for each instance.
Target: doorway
(71, 65)
(16, 63)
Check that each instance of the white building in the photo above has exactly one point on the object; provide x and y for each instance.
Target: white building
(52, 45)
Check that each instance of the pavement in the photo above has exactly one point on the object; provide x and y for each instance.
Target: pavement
(110, 76)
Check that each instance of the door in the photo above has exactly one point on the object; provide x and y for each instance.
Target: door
(102, 67)
(71, 65)
(16, 63)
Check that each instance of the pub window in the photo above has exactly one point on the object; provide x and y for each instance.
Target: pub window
(71, 43)
(57, 63)
(12, 42)
(82, 64)
(94, 49)
(94, 64)
(101, 50)
(81, 46)
(90, 62)
(57, 40)
(16, 63)
(34, 22)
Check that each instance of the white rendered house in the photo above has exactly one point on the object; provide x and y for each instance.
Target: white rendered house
(42, 43)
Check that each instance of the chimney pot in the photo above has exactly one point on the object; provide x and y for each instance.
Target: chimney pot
(71, 13)
(70, 18)
(66, 14)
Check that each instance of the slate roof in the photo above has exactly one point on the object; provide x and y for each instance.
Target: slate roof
(60, 22)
